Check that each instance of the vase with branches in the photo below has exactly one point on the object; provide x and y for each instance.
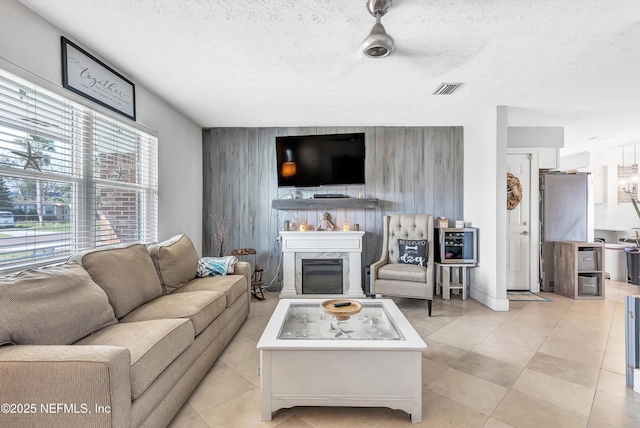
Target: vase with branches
(221, 232)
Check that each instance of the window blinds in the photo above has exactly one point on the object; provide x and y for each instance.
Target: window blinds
(72, 178)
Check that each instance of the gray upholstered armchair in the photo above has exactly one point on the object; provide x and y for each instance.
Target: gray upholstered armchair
(393, 275)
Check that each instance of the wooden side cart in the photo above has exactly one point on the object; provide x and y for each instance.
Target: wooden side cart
(250, 255)
(579, 269)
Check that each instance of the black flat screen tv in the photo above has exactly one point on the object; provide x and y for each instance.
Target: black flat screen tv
(320, 160)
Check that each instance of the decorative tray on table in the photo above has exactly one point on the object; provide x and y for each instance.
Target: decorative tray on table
(341, 309)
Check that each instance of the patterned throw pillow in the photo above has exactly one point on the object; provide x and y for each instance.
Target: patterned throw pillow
(213, 266)
(412, 252)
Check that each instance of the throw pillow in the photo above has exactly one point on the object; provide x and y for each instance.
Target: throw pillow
(125, 272)
(175, 261)
(213, 266)
(412, 252)
(54, 305)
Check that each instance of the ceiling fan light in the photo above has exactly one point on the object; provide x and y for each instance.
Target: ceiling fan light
(378, 7)
(378, 44)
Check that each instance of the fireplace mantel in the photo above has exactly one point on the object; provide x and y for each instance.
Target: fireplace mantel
(324, 203)
(296, 244)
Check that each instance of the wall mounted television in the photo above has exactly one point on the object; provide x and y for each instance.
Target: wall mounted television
(320, 160)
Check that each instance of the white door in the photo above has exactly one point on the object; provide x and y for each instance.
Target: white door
(518, 226)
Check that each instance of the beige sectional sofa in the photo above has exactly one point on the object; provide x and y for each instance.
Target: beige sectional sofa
(116, 337)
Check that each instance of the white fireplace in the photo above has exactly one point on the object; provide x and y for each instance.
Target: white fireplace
(342, 245)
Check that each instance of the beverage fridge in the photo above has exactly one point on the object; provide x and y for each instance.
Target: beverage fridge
(456, 245)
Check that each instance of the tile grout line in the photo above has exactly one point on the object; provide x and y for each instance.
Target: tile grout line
(525, 367)
(511, 386)
(622, 304)
(595, 392)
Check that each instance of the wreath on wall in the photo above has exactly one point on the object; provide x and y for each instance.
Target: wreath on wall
(514, 191)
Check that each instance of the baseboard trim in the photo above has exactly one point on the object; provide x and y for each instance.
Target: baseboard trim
(498, 305)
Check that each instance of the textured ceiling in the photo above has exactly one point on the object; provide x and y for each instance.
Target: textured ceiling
(571, 63)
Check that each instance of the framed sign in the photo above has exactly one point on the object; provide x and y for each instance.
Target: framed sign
(86, 75)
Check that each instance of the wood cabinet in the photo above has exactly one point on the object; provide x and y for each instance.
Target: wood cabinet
(579, 269)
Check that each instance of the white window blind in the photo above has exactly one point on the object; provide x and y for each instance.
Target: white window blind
(73, 179)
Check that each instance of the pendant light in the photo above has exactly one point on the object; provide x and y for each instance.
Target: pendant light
(622, 182)
(634, 177)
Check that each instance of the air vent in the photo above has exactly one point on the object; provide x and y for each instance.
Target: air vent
(447, 88)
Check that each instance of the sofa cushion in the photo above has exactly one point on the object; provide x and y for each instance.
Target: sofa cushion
(125, 272)
(175, 260)
(153, 345)
(231, 286)
(414, 290)
(403, 272)
(200, 307)
(55, 305)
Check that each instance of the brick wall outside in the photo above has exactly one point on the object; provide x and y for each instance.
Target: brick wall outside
(117, 208)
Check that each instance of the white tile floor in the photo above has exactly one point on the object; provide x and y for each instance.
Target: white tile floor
(542, 364)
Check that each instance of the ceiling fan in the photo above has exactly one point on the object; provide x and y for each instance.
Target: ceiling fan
(378, 44)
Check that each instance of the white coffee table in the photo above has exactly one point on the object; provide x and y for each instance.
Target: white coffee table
(307, 358)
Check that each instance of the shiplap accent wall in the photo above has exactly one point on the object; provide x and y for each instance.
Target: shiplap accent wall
(410, 169)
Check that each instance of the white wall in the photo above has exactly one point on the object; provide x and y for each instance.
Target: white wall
(31, 46)
(485, 201)
(179, 168)
(575, 161)
(535, 136)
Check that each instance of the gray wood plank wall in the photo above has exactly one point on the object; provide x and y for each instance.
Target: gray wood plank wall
(410, 169)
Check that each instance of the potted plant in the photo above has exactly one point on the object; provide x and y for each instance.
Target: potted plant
(633, 253)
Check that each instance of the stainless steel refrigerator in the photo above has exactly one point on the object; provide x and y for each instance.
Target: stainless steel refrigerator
(566, 214)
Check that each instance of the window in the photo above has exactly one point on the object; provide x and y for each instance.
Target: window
(73, 179)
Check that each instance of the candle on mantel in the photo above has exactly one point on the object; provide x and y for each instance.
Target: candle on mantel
(302, 228)
(346, 227)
